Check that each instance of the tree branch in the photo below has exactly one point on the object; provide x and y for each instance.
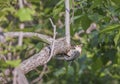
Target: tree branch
(44, 38)
(67, 21)
(41, 58)
(20, 39)
(20, 3)
(60, 46)
(54, 36)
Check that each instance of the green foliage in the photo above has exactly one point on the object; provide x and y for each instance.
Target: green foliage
(13, 63)
(85, 21)
(25, 14)
(110, 28)
(99, 62)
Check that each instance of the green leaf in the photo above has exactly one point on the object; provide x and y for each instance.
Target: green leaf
(96, 3)
(77, 17)
(58, 8)
(25, 14)
(85, 21)
(97, 64)
(117, 38)
(117, 2)
(102, 74)
(71, 4)
(13, 63)
(34, 1)
(70, 70)
(3, 64)
(110, 28)
(60, 72)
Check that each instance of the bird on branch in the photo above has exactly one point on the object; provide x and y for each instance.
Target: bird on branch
(73, 53)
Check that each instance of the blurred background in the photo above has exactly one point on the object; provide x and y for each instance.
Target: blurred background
(94, 23)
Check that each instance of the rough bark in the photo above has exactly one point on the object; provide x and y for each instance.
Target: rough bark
(60, 46)
(44, 38)
(41, 58)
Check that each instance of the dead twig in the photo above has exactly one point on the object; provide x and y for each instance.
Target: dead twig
(20, 39)
(53, 43)
(51, 54)
(40, 76)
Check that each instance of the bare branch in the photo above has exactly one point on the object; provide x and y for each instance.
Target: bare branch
(44, 38)
(41, 58)
(20, 39)
(54, 36)
(20, 3)
(19, 77)
(67, 21)
(72, 54)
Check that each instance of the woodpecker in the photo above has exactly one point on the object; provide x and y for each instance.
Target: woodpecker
(73, 53)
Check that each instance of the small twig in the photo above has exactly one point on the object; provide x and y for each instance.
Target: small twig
(40, 76)
(53, 43)
(72, 18)
(20, 39)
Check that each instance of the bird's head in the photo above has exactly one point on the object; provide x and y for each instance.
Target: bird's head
(79, 48)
